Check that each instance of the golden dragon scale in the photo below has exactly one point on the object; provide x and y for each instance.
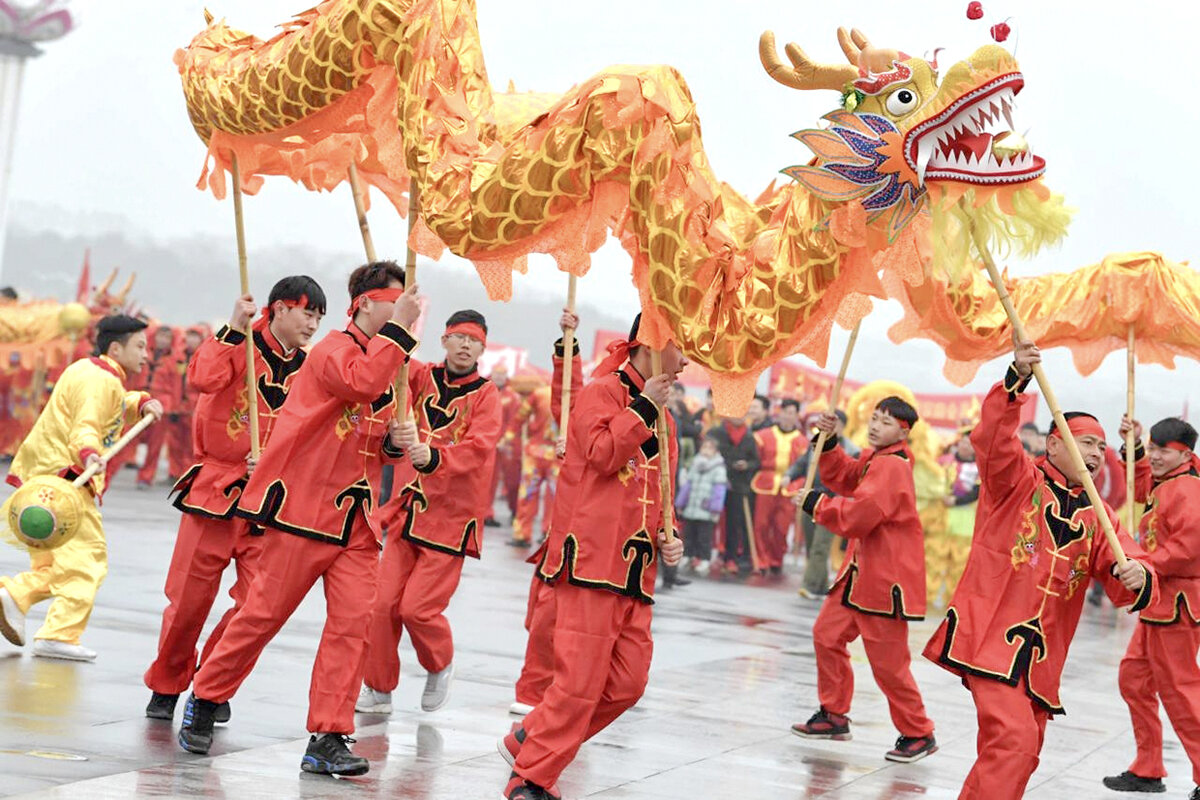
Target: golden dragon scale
(1089, 311)
(399, 88)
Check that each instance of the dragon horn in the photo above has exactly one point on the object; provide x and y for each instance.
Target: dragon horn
(849, 46)
(864, 55)
(120, 298)
(804, 73)
(102, 289)
(208, 17)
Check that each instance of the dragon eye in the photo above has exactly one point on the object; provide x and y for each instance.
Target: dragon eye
(901, 101)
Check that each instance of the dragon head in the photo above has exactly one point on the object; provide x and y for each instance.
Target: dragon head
(902, 134)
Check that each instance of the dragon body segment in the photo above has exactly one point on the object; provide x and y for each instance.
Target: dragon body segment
(399, 88)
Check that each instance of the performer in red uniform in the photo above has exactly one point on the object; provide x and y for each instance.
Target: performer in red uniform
(537, 671)
(507, 471)
(210, 536)
(539, 467)
(435, 519)
(163, 381)
(1037, 541)
(881, 584)
(1160, 663)
(180, 454)
(313, 491)
(602, 557)
(778, 446)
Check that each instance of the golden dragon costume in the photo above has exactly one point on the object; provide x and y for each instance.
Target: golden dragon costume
(399, 88)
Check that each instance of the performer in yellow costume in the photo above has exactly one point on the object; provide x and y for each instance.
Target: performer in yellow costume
(86, 413)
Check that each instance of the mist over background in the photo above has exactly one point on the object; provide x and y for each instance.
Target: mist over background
(106, 159)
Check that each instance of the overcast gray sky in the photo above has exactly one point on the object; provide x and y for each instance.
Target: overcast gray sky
(1108, 99)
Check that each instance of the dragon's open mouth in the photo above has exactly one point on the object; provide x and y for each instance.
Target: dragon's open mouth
(957, 143)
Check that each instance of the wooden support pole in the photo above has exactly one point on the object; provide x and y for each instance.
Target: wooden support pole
(564, 414)
(664, 457)
(410, 278)
(360, 210)
(1130, 444)
(244, 274)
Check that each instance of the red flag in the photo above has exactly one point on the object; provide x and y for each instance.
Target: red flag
(84, 290)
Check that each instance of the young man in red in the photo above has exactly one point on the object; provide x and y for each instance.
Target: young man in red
(1037, 542)
(778, 446)
(164, 382)
(210, 535)
(435, 520)
(881, 585)
(602, 557)
(539, 466)
(537, 671)
(313, 491)
(1160, 663)
(507, 471)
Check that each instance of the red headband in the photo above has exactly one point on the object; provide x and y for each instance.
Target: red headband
(618, 354)
(1082, 426)
(265, 315)
(472, 329)
(379, 295)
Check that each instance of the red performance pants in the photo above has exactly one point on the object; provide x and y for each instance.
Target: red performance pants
(1160, 664)
(288, 568)
(175, 432)
(203, 549)
(415, 587)
(537, 488)
(538, 670)
(773, 515)
(602, 650)
(1011, 730)
(886, 643)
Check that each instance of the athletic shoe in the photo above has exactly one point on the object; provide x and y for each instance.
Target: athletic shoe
(12, 621)
(373, 702)
(1128, 782)
(162, 706)
(523, 543)
(519, 709)
(912, 748)
(437, 689)
(519, 789)
(491, 522)
(825, 725)
(222, 714)
(327, 754)
(49, 648)
(1195, 795)
(509, 746)
(196, 733)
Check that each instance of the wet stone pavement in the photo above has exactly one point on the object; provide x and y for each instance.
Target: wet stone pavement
(733, 669)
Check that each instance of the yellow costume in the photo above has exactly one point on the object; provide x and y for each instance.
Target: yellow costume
(86, 413)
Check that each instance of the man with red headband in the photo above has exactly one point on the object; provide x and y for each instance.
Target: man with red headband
(436, 518)
(313, 491)
(210, 536)
(539, 466)
(537, 671)
(1160, 662)
(602, 557)
(1036, 545)
(881, 585)
(164, 380)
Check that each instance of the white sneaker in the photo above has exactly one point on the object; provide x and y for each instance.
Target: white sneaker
(12, 621)
(49, 648)
(703, 566)
(373, 702)
(519, 709)
(437, 689)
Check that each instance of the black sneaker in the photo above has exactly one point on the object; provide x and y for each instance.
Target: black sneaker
(196, 733)
(518, 789)
(824, 725)
(1195, 795)
(524, 544)
(912, 748)
(1128, 782)
(491, 522)
(162, 706)
(327, 754)
(223, 714)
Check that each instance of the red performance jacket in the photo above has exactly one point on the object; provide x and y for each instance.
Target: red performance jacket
(608, 509)
(323, 463)
(443, 504)
(221, 428)
(1036, 543)
(1170, 534)
(164, 379)
(884, 569)
(777, 449)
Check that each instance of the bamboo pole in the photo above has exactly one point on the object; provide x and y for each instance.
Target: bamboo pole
(243, 273)
(751, 545)
(564, 414)
(1130, 444)
(664, 457)
(1043, 382)
(145, 422)
(361, 211)
(410, 279)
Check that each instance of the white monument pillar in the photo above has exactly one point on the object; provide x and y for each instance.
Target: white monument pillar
(20, 27)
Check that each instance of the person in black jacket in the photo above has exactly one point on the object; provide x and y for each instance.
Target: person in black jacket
(736, 441)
